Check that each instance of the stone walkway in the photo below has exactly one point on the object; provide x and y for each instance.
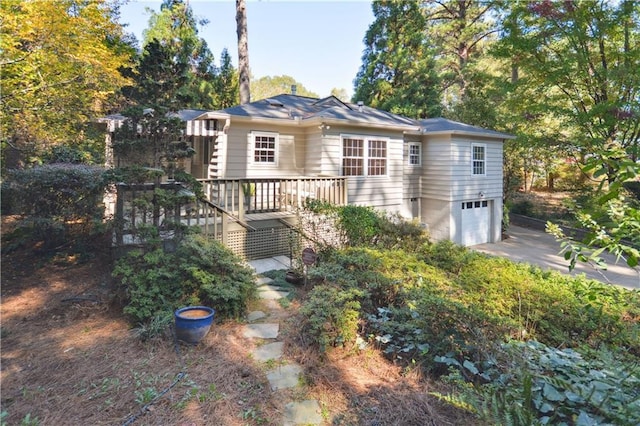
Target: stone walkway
(286, 374)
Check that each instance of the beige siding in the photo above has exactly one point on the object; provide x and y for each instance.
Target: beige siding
(438, 216)
(290, 152)
(448, 180)
(313, 153)
(437, 168)
(465, 185)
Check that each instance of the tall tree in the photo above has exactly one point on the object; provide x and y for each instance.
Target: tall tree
(152, 134)
(581, 60)
(176, 28)
(60, 62)
(227, 82)
(268, 86)
(243, 52)
(460, 29)
(398, 66)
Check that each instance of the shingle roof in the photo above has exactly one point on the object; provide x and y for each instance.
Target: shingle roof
(189, 114)
(442, 125)
(331, 108)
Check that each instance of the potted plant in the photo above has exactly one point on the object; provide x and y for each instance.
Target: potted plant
(193, 323)
(248, 190)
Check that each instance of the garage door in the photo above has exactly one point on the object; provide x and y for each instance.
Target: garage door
(476, 222)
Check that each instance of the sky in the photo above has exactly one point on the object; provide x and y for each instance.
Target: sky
(318, 43)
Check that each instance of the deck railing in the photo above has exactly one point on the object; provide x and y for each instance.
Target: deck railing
(169, 206)
(247, 196)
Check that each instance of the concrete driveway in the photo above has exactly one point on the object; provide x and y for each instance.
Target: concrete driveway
(540, 248)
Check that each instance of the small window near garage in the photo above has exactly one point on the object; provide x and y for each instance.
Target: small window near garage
(265, 148)
(469, 204)
(415, 159)
(485, 203)
(478, 159)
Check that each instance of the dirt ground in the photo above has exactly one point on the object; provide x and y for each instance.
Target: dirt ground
(69, 358)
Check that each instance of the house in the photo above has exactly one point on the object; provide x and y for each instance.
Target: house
(446, 174)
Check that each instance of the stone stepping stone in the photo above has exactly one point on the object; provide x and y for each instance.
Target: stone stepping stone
(263, 280)
(255, 316)
(284, 377)
(269, 351)
(302, 413)
(261, 331)
(271, 294)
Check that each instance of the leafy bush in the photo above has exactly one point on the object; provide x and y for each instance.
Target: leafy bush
(539, 384)
(446, 255)
(331, 315)
(199, 272)
(61, 202)
(366, 227)
(444, 307)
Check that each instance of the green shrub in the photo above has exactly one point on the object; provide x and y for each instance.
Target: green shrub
(446, 308)
(61, 202)
(361, 225)
(431, 325)
(366, 227)
(538, 384)
(330, 316)
(446, 255)
(199, 272)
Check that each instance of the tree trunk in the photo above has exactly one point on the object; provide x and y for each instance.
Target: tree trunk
(243, 52)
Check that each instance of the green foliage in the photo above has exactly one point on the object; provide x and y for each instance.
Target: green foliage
(362, 226)
(200, 83)
(268, 86)
(61, 202)
(199, 272)
(331, 315)
(60, 68)
(446, 255)
(451, 311)
(545, 385)
(397, 72)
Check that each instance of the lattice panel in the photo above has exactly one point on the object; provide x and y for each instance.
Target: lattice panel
(260, 243)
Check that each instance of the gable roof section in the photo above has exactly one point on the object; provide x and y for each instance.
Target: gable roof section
(311, 110)
(433, 126)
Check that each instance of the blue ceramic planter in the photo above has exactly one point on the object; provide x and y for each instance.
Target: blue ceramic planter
(193, 323)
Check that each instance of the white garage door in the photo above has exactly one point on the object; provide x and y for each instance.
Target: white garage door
(476, 222)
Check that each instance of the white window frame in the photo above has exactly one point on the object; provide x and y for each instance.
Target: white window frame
(417, 156)
(276, 149)
(477, 161)
(366, 158)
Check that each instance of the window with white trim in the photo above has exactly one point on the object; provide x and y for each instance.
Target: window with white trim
(265, 148)
(415, 157)
(478, 159)
(363, 156)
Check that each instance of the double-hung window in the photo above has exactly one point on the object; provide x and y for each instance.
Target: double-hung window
(415, 158)
(478, 159)
(362, 156)
(265, 148)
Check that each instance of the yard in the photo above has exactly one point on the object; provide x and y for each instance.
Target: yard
(69, 358)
